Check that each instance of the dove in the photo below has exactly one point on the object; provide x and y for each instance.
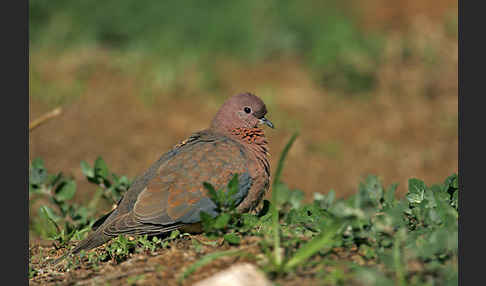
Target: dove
(170, 195)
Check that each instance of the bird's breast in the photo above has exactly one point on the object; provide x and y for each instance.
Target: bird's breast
(255, 146)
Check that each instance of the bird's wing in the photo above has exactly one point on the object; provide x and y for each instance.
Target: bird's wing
(176, 195)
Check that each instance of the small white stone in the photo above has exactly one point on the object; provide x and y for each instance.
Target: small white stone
(244, 274)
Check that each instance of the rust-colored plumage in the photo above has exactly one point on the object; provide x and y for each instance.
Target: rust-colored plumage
(170, 194)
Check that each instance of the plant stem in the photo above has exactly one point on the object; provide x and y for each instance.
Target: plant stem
(275, 209)
(397, 260)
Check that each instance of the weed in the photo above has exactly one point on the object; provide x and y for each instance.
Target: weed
(66, 219)
(111, 185)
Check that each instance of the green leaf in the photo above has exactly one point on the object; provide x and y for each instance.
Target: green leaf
(455, 183)
(367, 251)
(451, 181)
(213, 194)
(222, 221)
(123, 181)
(249, 221)
(101, 169)
(371, 191)
(37, 163)
(207, 221)
(49, 214)
(455, 199)
(390, 194)
(87, 170)
(54, 179)
(232, 238)
(414, 198)
(38, 173)
(174, 234)
(65, 191)
(416, 191)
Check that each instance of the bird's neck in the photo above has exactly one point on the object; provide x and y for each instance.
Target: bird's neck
(254, 140)
(250, 136)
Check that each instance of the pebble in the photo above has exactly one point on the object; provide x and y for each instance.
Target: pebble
(244, 274)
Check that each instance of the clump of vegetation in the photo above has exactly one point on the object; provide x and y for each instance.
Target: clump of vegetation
(111, 186)
(372, 237)
(61, 220)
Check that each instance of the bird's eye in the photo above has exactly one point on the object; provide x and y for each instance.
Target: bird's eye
(247, 109)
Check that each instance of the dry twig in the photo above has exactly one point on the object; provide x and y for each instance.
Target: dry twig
(44, 118)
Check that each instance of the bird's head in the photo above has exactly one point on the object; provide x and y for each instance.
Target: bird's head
(244, 110)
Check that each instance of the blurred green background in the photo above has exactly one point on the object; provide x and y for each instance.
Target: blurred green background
(175, 34)
(370, 85)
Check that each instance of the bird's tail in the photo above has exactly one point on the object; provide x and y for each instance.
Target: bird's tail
(93, 240)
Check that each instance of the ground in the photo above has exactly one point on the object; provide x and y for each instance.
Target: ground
(150, 268)
(406, 127)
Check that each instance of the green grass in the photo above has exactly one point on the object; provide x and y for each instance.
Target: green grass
(371, 237)
(277, 257)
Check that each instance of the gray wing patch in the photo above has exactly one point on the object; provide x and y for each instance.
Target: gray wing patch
(203, 205)
(245, 182)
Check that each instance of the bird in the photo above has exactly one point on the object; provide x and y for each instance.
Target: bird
(170, 194)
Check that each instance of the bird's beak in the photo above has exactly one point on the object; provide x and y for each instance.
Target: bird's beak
(267, 122)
